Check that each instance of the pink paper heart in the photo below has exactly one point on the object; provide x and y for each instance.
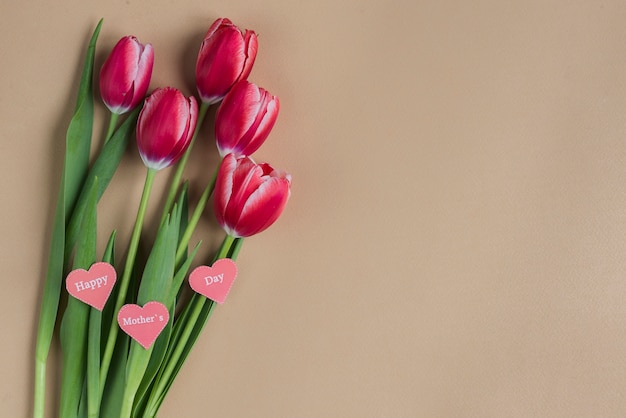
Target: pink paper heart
(143, 324)
(214, 282)
(92, 287)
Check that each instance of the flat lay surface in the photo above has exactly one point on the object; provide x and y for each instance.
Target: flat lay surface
(455, 241)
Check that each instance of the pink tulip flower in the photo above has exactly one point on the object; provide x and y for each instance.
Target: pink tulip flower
(226, 56)
(165, 127)
(244, 119)
(125, 75)
(249, 197)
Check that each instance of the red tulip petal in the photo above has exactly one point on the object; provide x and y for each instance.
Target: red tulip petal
(246, 179)
(226, 56)
(244, 119)
(263, 207)
(144, 74)
(224, 187)
(262, 126)
(163, 129)
(252, 46)
(219, 62)
(128, 66)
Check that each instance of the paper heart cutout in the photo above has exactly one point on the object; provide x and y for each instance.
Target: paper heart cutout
(143, 324)
(92, 286)
(214, 282)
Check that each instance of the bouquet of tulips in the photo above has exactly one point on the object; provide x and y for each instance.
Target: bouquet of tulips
(110, 373)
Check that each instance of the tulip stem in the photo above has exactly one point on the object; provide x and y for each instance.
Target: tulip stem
(40, 384)
(128, 268)
(195, 217)
(195, 307)
(112, 125)
(180, 167)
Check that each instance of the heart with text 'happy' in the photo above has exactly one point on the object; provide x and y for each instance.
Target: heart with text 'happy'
(143, 324)
(214, 282)
(92, 286)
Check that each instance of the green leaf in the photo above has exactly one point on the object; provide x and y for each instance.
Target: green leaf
(93, 342)
(104, 167)
(181, 251)
(179, 278)
(49, 305)
(155, 284)
(162, 343)
(183, 204)
(75, 320)
(159, 269)
(109, 251)
(108, 314)
(156, 358)
(205, 314)
(186, 331)
(78, 140)
(124, 282)
(113, 390)
(93, 362)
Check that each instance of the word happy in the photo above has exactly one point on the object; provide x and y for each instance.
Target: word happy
(92, 284)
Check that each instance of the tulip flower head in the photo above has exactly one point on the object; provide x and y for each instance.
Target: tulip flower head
(249, 197)
(226, 56)
(125, 75)
(165, 127)
(244, 119)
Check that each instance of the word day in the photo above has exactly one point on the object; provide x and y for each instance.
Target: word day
(209, 280)
(92, 284)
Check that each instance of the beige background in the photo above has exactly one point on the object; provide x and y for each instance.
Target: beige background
(455, 245)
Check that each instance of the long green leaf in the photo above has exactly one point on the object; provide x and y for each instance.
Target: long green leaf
(93, 344)
(78, 140)
(162, 343)
(195, 315)
(154, 286)
(113, 391)
(76, 319)
(93, 363)
(207, 307)
(179, 278)
(109, 251)
(104, 167)
(159, 269)
(156, 357)
(183, 204)
(107, 312)
(49, 306)
(129, 266)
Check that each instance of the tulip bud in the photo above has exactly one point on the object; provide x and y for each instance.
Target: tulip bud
(244, 119)
(226, 56)
(125, 75)
(165, 127)
(249, 197)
